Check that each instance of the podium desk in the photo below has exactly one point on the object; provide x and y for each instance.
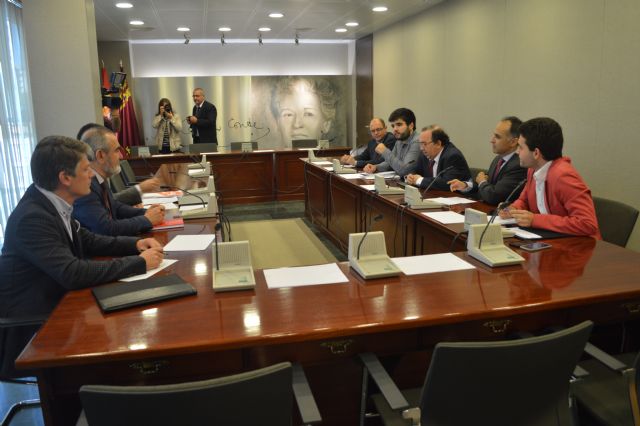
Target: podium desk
(323, 327)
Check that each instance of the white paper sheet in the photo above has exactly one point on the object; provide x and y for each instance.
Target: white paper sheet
(501, 221)
(329, 168)
(190, 242)
(521, 233)
(369, 187)
(263, 150)
(450, 201)
(193, 207)
(430, 263)
(165, 194)
(164, 202)
(352, 176)
(323, 163)
(304, 275)
(163, 264)
(445, 217)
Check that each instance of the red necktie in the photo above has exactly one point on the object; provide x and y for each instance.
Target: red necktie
(497, 170)
(105, 196)
(431, 163)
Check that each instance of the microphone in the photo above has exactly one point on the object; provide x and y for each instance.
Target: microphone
(503, 205)
(218, 229)
(441, 172)
(204, 205)
(375, 219)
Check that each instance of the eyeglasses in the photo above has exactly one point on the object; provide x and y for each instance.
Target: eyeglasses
(376, 130)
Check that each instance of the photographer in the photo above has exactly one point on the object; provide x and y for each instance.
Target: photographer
(169, 126)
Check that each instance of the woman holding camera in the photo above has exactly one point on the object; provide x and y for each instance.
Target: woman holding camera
(169, 126)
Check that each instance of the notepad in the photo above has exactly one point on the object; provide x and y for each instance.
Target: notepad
(113, 297)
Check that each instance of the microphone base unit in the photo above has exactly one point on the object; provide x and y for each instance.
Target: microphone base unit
(493, 251)
(368, 256)
(382, 188)
(232, 279)
(424, 204)
(234, 270)
(374, 267)
(190, 200)
(341, 170)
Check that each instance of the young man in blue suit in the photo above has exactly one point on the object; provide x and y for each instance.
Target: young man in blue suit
(99, 211)
(46, 252)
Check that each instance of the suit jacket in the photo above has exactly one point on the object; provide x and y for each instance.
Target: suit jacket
(509, 176)
(130, 196)
(370, 156)
(206, 125)
(40, 263)
(568, 200)
(94, 215)
(450, 156)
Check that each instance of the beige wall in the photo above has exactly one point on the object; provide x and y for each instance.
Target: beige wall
(466, 63)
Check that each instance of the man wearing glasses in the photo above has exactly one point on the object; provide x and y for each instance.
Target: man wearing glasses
(378, 130)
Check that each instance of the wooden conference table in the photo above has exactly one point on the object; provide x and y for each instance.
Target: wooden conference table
(246, 177)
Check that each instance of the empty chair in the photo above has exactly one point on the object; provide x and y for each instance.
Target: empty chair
(610, 391)
(616, 220)
(199, 148)
(238, 146)
(515, 382)
(117, 183)
(17, 325)
(259, 397)
(304, 143)
(135, 150)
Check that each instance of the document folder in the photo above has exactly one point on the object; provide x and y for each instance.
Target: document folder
(113, 297)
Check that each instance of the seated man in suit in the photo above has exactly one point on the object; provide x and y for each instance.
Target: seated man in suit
(99, 211)
(378, 130)
(46, 252)
(441, 161)
(555, 197)
(402, 158)
(132, 195)
(505, 173)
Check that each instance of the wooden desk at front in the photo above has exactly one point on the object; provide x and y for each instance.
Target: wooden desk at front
(322, 327)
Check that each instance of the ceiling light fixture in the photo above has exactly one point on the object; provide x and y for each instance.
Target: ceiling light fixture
(183, 29)
(341, 30)
(352, 24)
(276, 15)
(187, 38)
(264, 29)
(380, 9)
(124, 5)
(224, 29)
(136, 22)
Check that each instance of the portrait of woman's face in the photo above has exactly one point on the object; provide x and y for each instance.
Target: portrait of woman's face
(300, 116)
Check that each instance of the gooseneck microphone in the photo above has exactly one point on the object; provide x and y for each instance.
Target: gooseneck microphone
(375, 219)
(440, 173)
(167, 187)
(503, 205)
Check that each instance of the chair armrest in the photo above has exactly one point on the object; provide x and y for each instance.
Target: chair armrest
(606, 359)
(387, 387)
(304, 398)
(22, 321)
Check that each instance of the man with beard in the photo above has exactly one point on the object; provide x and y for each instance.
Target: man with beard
(99, 211)
(404, 156)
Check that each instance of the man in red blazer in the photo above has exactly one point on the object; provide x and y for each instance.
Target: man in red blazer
(555, 197)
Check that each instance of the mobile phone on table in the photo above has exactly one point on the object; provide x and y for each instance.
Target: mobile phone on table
(535, 246)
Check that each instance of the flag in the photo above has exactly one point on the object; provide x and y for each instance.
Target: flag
(129, 134)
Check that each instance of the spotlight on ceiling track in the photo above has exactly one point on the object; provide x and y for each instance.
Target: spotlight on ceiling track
(260, 39)
(222, 41)
(296, 40)
(187, 38)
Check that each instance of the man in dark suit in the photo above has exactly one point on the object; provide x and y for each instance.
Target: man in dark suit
(504, 173)
(99, 211)
(46, 252)
(203, 119)
(378, 130)
(441, 161)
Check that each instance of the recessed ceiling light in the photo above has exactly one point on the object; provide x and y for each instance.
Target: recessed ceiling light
(276, 15)
(224, 29)
(341, 30)
(380, 9)
(183, 29)
(124, 5)
(264, 29)
(136, 22)
(351, 24)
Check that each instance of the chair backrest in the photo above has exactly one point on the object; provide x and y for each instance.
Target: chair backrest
(615, 219)
(474, 172)
(237, 146)
(135, 150)
(259, 397)
(304, 143)
(128, 176)
(117, 183)
(515, 382)
(199, 148)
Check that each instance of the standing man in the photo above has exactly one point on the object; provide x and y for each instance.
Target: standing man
(404, 155)
(378, 130)
(555, 197)
(46, 253)
(203, 119)
(99, 211)
(440, 156)
(504, 172)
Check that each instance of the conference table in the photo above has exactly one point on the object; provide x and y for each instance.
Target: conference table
(246, 177)
(323, 327)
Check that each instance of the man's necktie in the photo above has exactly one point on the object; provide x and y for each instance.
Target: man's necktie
(431, 164)
(105, 197)
(494, 178)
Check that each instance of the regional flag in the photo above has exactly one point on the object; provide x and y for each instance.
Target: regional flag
(129, 134)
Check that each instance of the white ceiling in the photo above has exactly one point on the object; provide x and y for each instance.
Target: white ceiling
(311, 19)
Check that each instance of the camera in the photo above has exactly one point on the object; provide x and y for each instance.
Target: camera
(167, 108)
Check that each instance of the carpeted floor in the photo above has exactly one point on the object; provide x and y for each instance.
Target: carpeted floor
(281, 242)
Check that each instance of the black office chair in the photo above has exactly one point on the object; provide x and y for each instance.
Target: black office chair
(199, 148)
(616, 220)
(259, 397)
(8, 324)
(474, 172)
(304, 143)
(610, 393)
(514, 382)
(117, 183)
(238, 146)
